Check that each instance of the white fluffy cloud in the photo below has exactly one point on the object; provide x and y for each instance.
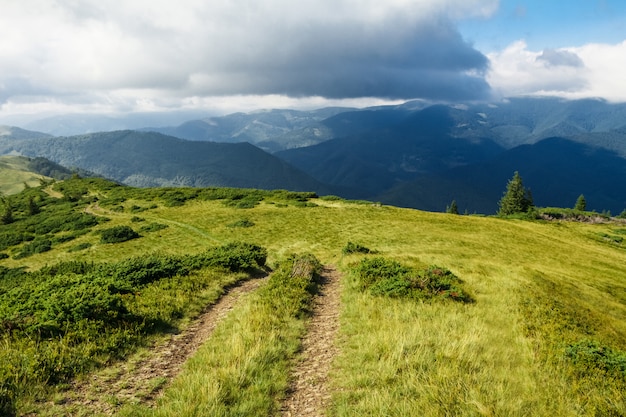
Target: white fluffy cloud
(155, 52)
(591, 70)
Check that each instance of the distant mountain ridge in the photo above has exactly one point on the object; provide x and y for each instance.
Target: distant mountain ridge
(416, 154)
(467, 153)
(270, 130)
(151, 159)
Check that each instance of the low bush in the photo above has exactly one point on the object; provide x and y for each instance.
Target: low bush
(118, 234)
(352, 247)
(242, 223)
(39, 245)
(590, 357)
(384, 277)
(79, 247)
(153, 227)
(236, 256)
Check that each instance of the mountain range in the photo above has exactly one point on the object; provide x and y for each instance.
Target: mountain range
(416, 154)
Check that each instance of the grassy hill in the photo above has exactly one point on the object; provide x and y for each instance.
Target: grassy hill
(544, 333)
(14, 173)
(17, 172)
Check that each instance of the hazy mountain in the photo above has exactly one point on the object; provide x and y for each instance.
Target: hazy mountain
(270, 130)
(414, 154)
(11, 132)
(153, 159)
(76, 124)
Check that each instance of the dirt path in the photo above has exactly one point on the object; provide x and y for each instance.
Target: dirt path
(309, 394)
(143, 380)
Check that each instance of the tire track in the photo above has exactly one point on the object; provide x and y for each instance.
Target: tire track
(142, 382)
(309, 394)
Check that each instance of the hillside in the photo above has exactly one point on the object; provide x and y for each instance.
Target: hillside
(527, 318)
(151, 159)
(424, 158)
(16, 172)
(556, 170)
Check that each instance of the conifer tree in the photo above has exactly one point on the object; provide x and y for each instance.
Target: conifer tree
(516, 199)
(581, 203)
(7, 215)
(453, 208)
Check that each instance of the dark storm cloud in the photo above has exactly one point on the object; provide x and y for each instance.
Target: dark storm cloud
(145, 51)
(428, 60)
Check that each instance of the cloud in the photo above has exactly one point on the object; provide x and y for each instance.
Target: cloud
(556, 58)
(591, 70)
(158, 49)
(518, 71)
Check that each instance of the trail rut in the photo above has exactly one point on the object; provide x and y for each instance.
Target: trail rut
(143, 381)
(309, 394)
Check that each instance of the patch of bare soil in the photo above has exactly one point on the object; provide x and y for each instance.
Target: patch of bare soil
(143, 381)
(309, 394)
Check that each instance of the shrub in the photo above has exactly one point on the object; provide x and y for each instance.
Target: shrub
(384, 277)
(245, 203)
(118, 234)
(11, 239)
(331, 198)
(242, 223)
(153, 227)
(354, 248)
(39, 245)
(79, 247)
(589, 356)
(236, 256)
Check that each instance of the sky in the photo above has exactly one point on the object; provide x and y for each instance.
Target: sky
(124, 56)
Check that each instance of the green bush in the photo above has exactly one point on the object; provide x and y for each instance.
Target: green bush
(235, 256)
(153, 227)
(589, 356)
(118, 234)
(242, 223)
(9, 239)
(352, 247)
(245, 203)
(384, 277)
(39, 245)
(79, 247)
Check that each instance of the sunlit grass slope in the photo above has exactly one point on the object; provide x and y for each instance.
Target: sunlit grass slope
(550, 301)
(14, 173)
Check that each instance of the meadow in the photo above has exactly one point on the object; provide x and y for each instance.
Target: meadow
(543, 334)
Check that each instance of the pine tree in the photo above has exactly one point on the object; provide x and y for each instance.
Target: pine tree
(33, 208)
(7, 216)
(516, 199)
(453, 208)
(581, 203)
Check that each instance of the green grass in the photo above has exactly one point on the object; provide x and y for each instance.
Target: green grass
(243, 370)
(549, 298)
(14, 173)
